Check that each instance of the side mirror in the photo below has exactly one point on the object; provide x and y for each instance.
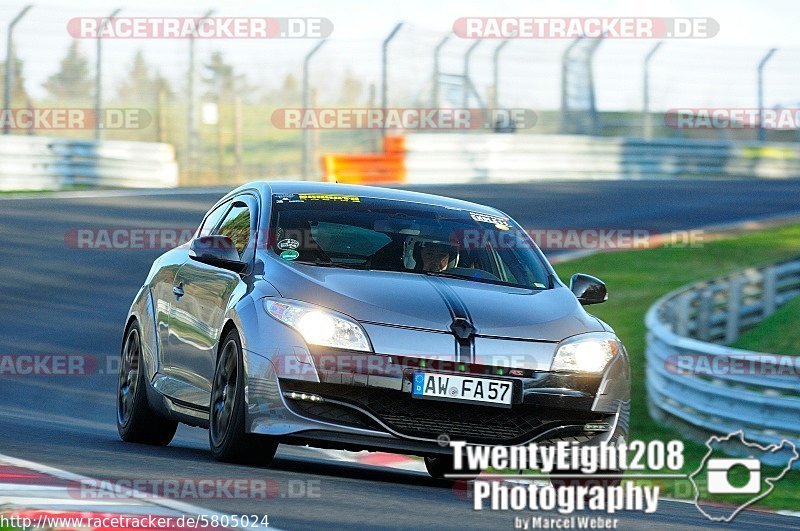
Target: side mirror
(217, 250)
(588, 289)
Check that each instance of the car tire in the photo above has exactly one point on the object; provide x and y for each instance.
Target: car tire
(441, 466)
(136, 421)
(226, 432)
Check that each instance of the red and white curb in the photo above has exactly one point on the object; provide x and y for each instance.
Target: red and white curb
(381, 459)
(404, 462)
(34, 490)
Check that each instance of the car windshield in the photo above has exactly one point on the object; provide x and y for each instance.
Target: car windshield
(330, 230)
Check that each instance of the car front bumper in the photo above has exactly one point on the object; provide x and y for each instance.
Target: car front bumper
(367, 404)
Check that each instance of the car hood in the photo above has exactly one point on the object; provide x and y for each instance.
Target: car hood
(421, 301)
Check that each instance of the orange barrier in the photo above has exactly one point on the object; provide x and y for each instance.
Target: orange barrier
(394, 144)
(368, 168)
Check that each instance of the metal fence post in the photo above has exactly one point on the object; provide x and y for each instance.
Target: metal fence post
(10, 65)
(586, 62)
(98, 78)
(496, 73)
(564, 76)
(374, 136)
(682, 314)
(237, 137)
(191, 116)
(762, 133)
(769, 290)
(705, 310)
(385, 75)
(437, 71)
(592, 100)
(466, 79)
(646, 118)
(306, 131)
(734, 309)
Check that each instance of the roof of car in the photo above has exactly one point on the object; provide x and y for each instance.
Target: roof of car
(267, 188)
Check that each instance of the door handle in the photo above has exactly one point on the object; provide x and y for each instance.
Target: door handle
(178, 290)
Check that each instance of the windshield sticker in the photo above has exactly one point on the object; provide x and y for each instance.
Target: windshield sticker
(287, 198)
(290, 254)
(288, 243)
(300, 198)
(330, 197)
(499, 222)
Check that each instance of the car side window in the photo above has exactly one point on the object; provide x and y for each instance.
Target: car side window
(213, 218)
(236, 226)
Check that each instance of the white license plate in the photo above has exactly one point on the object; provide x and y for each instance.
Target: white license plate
(466, 388)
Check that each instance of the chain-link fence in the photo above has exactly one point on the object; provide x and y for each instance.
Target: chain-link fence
(215, 99)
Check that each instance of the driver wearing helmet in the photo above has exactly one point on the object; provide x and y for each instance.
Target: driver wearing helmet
(435, 256)
(425, 254)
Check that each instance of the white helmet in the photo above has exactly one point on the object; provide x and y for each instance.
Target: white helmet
(413, 244)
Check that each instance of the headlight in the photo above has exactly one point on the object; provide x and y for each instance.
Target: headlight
(586, 352)
(319, 326)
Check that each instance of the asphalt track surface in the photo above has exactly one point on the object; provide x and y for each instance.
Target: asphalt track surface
(60, 300)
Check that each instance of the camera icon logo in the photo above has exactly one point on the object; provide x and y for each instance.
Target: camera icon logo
(741, 477)
(717, 474)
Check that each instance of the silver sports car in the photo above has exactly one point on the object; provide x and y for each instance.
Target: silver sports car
(363, 318)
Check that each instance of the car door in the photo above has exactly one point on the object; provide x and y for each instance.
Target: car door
(202, 294)
(163, 287)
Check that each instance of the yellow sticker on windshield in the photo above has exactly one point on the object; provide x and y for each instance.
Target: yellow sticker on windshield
(330, 197)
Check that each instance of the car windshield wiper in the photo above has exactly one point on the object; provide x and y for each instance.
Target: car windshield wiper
(446, 275)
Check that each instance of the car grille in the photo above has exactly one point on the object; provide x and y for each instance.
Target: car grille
(431, 419)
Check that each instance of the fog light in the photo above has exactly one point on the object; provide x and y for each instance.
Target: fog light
(305, 397)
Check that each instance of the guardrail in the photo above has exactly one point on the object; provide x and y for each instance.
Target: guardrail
(43, 163)
(737, 389)
(482, 157)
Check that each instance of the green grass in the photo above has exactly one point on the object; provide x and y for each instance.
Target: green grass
(69, 188)
(635, 279)
(778, 334)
